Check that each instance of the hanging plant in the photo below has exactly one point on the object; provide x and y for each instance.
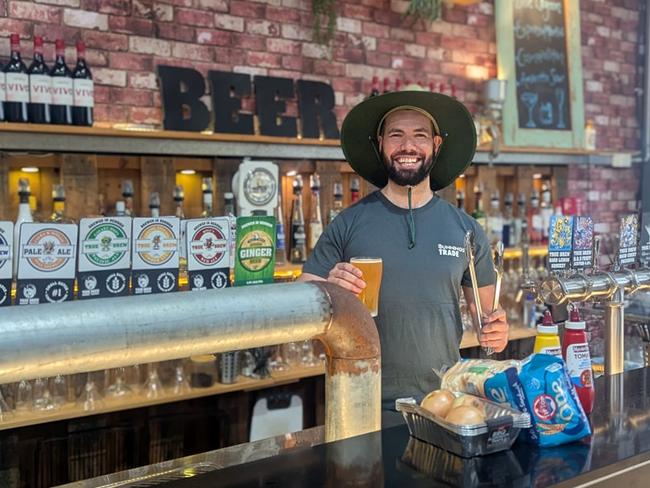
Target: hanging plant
(426, 10)
(324, 20)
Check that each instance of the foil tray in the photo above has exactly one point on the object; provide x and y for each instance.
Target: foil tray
(497, 433)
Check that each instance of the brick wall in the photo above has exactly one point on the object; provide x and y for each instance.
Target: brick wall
(126, 39)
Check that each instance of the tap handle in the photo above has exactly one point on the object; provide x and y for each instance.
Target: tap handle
(594, 263)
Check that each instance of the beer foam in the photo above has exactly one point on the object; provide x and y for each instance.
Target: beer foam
(365, 260)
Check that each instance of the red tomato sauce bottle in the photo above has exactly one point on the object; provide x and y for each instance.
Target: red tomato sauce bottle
(575, 351)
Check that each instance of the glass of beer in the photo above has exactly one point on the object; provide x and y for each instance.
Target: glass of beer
(372, 270)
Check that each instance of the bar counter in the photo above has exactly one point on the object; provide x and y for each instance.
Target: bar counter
(618, 453)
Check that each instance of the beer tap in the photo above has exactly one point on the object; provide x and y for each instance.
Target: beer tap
(609, 287)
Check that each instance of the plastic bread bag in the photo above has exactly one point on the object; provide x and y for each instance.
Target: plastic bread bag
(553, 403)
(497, 381)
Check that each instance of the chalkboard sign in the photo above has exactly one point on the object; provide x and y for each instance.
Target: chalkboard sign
(539, 55)
(541, 65)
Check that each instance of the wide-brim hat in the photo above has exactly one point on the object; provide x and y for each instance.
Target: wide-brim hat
(455, 124)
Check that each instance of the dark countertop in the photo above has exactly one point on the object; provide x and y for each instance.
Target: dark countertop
(621, 438)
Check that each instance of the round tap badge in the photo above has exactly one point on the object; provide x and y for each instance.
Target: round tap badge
(48, 250)
(105, 244)
(208, 245)
(256, 251)
(156, 244)
(4, 251)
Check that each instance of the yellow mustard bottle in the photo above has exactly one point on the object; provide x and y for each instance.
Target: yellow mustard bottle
(547, 340)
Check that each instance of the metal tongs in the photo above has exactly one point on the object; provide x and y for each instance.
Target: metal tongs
(498, 265)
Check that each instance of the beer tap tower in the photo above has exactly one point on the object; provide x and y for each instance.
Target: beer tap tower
(610, 288)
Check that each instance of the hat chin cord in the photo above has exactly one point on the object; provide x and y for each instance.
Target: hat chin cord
(409, 190)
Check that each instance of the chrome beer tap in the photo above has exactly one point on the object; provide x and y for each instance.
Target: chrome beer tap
(608, 287)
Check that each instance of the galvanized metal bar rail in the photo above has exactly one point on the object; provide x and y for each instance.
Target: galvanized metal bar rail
(92, 335)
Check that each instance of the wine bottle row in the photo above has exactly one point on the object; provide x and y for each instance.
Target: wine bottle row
(43, 95)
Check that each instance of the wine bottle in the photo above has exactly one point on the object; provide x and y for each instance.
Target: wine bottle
(374, 91)
(3, 93)
(82, 82)
(40, 96)
(17, 85)
(62, 97)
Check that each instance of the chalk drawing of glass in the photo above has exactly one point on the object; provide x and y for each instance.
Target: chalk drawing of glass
(559, 95)
(530, 100)
(546, 113)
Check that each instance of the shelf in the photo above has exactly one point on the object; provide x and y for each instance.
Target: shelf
(278, 378)
(533, 252)
(516, 333)
(72, 410)
(136, 140)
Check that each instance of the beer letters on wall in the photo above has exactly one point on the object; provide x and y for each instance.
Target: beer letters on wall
(183, 88)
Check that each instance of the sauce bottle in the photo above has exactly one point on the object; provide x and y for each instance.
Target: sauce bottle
(576, 355)
(547, 340)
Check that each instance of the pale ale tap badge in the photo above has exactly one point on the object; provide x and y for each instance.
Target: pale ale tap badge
(583, 243)
(255, 260)
(104, 257)
(47, 261)
(6, 240)
(560, 242)
(628, 240)
(155, 255)
(208, 261)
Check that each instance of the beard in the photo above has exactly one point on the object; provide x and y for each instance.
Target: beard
(407, 177)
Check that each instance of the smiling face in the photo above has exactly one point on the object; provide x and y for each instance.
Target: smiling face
(408, 145)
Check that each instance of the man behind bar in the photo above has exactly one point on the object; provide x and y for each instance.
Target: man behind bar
(410, 144)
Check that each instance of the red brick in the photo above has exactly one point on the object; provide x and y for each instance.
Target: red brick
(282, 46)
(11, 26)
(192, 51)
(454, 15)
(193, 17)
(34, 11)
(214, 37)
(282, 14)
(131, 96)
(171, 30)
(285, 73)
(149, 115)
(375, 30)
(51, 32)
(130, 25)
(118, 7)
(378, 59)
(101, 94)
(247, 41)
(352, 55)
(357, 11)
(263, 27)
(329, 68)
(131, 61)
(211, 5)
(111, 112)
(93, 56)
(230, 56)
(295, 63)
(248, 9)
(143, 80)
(387, 46)
(388, 17)
(105, 40)
(398, 34)
(265, 60)
(346, 85)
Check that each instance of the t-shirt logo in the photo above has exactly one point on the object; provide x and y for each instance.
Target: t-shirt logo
(449, 250)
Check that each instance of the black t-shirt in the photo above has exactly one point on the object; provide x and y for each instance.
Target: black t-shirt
(419, 316)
